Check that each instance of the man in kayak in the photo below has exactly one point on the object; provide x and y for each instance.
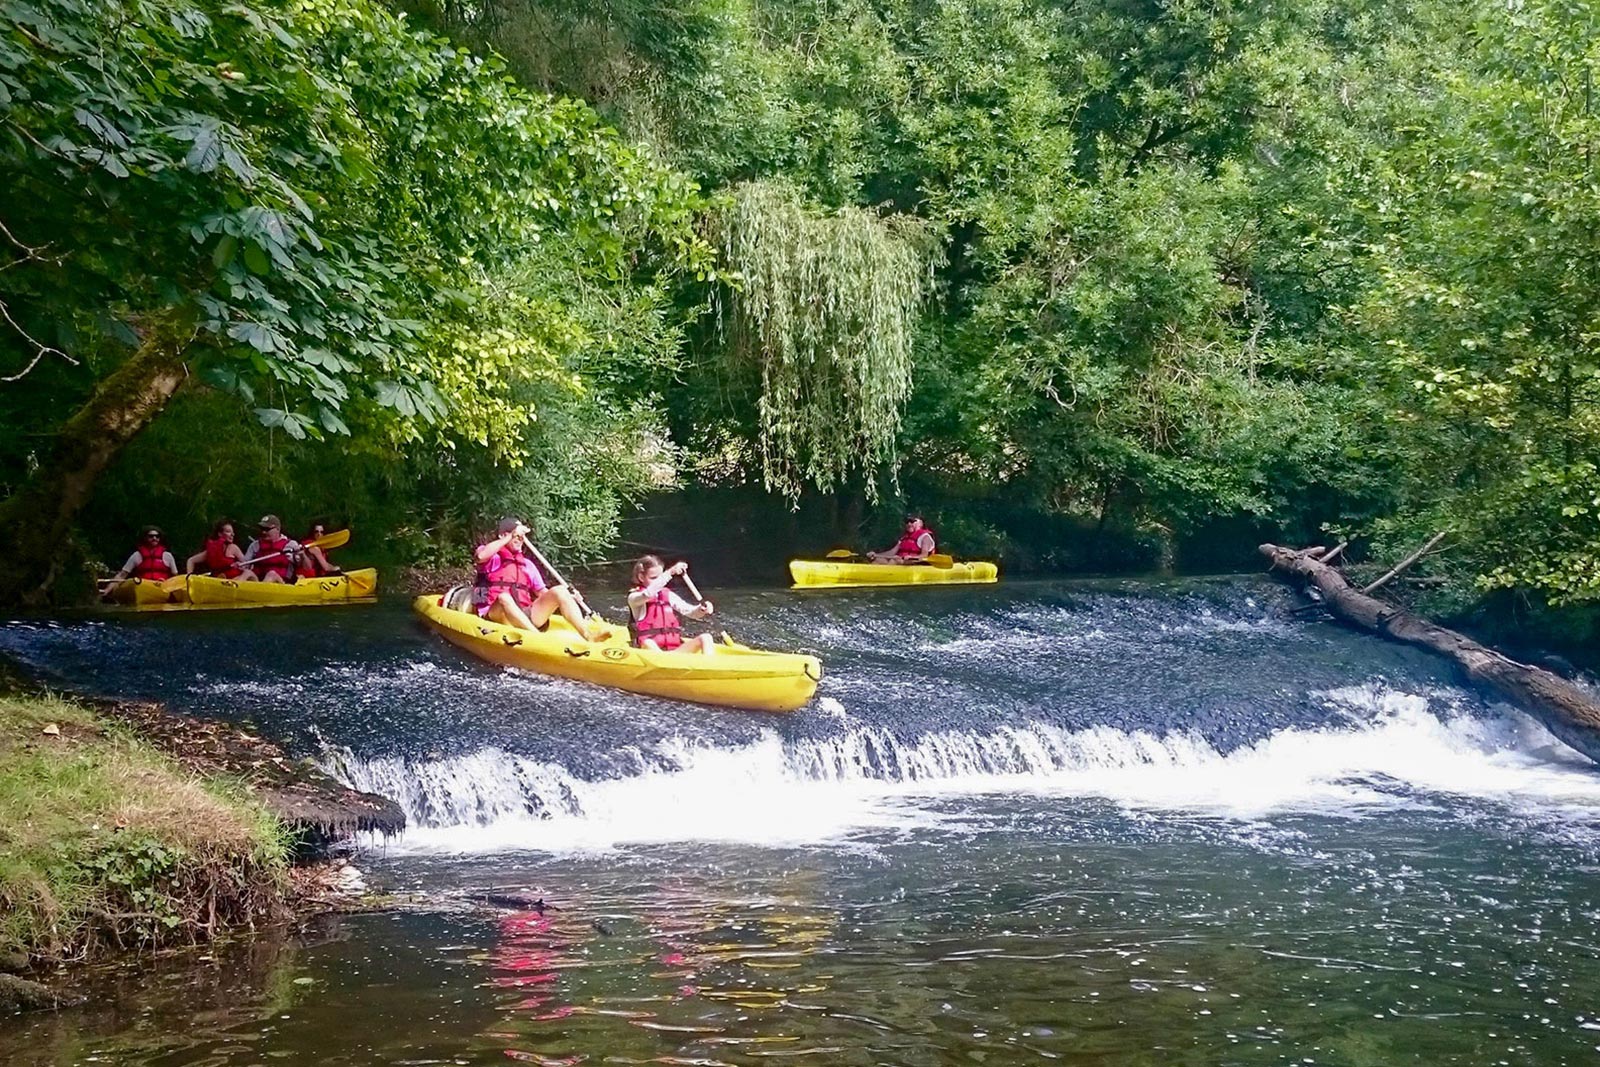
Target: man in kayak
(313, 560)
(655, 613)
(510, 589)
(151, 561)
(271, 555)
(914, 546)
(221, 557)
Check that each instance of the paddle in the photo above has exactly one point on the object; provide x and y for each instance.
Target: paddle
(935, 559)
(556, 578)
(329, 540)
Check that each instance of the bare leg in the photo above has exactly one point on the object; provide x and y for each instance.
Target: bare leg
(273, 577)
(704, 644)
(504, 610)
(560, 599)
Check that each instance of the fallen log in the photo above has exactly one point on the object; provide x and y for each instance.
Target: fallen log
(1569, 711)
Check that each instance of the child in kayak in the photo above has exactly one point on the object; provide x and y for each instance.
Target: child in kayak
(221, 558)
(655, 613)
(509, 588)
(914, 546)
(313, 560)
(151, 561)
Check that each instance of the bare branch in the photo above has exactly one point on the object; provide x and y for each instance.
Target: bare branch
(40, 348)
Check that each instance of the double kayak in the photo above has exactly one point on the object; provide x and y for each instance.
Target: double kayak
(810, 573)
(148, 595)
(736, 676)
(205, 591)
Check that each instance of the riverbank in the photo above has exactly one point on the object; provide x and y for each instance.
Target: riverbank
(107, 843)
(124, 826)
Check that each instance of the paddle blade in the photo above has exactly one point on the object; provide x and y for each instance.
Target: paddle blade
(939, 559)
(329, 540)
(841, 553)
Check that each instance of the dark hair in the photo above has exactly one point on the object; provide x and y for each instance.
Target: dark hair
(148, 530)
(507, 525)
(216, 527)
(643, 564)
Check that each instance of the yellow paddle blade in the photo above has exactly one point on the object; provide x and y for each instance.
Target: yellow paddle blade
(939, 559)
(841, 553)
(329, 540)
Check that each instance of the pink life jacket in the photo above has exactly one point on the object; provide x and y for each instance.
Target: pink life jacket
(659, 622)
(506, 572)
(282, 564)
(909, 543)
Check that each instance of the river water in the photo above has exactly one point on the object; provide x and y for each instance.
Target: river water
(1116, 822)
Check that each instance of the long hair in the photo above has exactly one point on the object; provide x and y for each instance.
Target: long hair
(642, 567)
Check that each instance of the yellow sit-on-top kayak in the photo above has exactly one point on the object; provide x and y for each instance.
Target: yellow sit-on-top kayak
(147, 595)
(809, 573)
(735, 676)
(209, 592)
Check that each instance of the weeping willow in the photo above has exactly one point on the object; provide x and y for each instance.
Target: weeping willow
(826, 307)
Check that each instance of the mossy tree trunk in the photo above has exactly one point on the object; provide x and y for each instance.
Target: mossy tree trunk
(36, 522)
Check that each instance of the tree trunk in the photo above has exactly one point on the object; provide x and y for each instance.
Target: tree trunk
(36, 522)
(1569, 711)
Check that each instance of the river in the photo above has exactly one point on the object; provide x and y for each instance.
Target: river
(1091, 822)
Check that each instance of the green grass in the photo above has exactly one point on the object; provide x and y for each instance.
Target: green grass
(106, 842)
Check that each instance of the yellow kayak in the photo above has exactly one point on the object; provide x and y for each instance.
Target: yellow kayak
(145, 595)
(810, 573)
(735, 677)
(208, 592)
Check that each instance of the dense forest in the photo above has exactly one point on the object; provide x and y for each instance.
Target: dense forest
(1107, 283)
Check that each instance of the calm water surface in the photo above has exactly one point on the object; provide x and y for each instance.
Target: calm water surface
(1097, 823)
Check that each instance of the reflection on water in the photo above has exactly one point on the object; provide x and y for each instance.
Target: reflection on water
(1080, 936)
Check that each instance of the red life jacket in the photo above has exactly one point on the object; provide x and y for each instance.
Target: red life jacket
(310, 568)
(908, 545)
(282, 565)
(505, 572)
(218, 562)
(658, 623)
(152, 565)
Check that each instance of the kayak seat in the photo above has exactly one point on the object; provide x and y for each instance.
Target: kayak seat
(459, 598)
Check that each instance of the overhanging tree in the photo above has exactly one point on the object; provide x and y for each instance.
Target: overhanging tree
(290, 200)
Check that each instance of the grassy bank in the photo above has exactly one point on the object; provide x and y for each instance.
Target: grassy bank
(107, 843)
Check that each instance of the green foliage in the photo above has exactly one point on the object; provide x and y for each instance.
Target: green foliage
(1480, 302)
(825, 305)
(316, 194)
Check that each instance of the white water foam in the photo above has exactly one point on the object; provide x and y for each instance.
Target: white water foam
(1396, 750)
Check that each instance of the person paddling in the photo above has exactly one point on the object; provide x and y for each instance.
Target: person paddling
(220, 557)
(510, 589)
(916, 544)
(151, 561)
(313, 559)
(655, 613)
(271, 555)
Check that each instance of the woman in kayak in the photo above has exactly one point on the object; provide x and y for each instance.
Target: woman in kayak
(655, 613)
(221, 558)
(509, 588)
(313, 560)
(151, 561)
(271, 555)
(914, 546)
